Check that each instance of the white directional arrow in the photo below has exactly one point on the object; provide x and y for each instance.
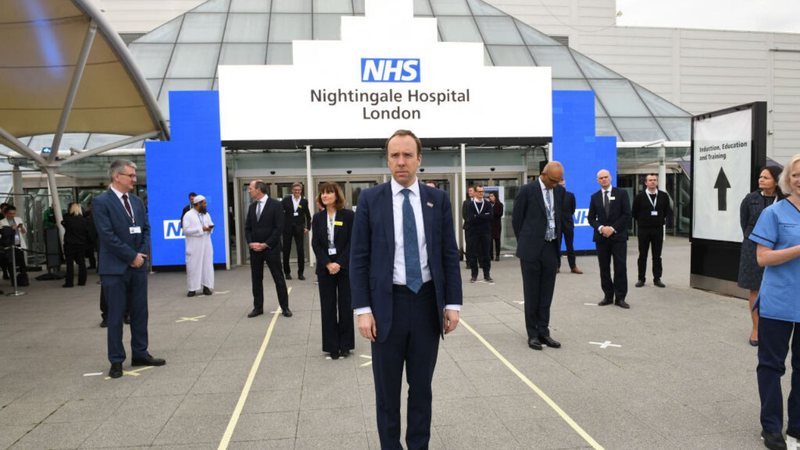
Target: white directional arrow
(189, 319)
(604, 344)
(368, 363)
(590, 304)
(519, 302)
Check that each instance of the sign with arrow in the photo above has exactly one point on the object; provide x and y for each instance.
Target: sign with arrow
(722, 165)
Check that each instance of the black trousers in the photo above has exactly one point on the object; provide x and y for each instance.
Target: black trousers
(273, 261)
(19, 260)
(495, 248)
(650, 237)
(774, 337)
(479, 253)
(538, 284)
(569, 238)
(336, 307)
(607, 250)
(77, 256)
(413, 342)
(293, 232)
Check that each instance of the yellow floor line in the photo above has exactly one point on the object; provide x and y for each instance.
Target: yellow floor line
(535, 389)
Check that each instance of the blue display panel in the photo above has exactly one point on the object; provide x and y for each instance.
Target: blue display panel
(193, 161)
(582, 153)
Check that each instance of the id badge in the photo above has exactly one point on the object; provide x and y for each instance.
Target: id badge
(135, 230)
(611, 198)
(654, 213)
(331, 251)
(551, 223)
(296, 214)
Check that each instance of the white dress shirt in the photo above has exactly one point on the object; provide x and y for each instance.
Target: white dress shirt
(610, 199)
(122, 202)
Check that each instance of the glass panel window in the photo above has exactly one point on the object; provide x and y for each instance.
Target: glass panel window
(358, 7)
(155, 86)
(247, 28)
(327, 26)
(213, 6)
(677, 129)
(658, 105)
(244, 54)
(534, 37)
(593, 69)
(450, 8)
(559, 59)
(291, 6)
(333, 6)
(99, 140)
(202, 28)
(459, 29)
(165, 33)
(422, 8)
(288, 27)
(638, 129)
(250, 6)
(604, 127)
(152, 59)
(194, 61)
(180, 85)
(619, 98)
(570, 84)
(480, 8)
(279, 54)
(510, 55)
(498, 30)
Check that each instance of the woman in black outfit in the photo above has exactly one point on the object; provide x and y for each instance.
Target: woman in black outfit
(76, 238)
(332, 228)
(753, 204)
(497, 225)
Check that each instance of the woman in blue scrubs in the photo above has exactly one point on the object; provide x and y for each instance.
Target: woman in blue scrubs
(777, 234)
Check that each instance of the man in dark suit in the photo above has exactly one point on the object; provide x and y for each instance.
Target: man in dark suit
(568, 230)
(478, 217)
(537, 225)
(262, 230)
(296, 224)
(188, 207)
(651, 210)
(406, 287)
(465, 226)
(609, 217)
(124, 236)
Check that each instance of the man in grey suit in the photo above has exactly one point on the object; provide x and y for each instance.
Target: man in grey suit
(124, 236)
(537, 225)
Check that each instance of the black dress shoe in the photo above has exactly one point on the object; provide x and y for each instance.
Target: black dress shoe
(488, 279)
(104, 324)
(535, 344)
(773, 441)
(473, 279)
(301, 277)
(191, 294)
(127, 320)
(288, 276)
(550, 342)
(147, 361)
(115, 371)
(604, 302)
(639, 283)
(344, 353)
(287, 312)
(206, 291)
(623, 305)
(255, 312)
(658, 283)
(334, 355)
(66, 285)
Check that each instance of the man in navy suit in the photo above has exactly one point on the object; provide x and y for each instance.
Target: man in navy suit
(405, 286)
(610, 217)
(124, 235)
(262, 230)
(537, 225)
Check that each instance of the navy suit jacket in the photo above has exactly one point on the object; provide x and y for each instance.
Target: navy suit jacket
(267, 229)
(529, 219)
(372, 253)
(341, 239)
(118, 246)
(619, 215)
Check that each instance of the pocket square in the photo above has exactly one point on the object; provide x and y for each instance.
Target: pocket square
(430, 205)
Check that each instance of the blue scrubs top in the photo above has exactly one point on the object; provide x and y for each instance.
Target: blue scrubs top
(778, 228)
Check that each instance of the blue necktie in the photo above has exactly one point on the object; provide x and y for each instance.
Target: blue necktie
(410, 246)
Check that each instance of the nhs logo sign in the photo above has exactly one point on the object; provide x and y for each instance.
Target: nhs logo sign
(390, 70)
(173, 229)
(581, 217)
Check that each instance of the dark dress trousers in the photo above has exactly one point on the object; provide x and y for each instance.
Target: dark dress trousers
(650, 233)
(614, 247)
(338, 333)
(266, 230)
(294, 225)
(497, 226)
(538, 258)
(408, 324)
(76, 240)
(568, 230)
(124, 287)
(478, 218)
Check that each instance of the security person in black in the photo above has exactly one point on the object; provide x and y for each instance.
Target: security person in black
(478, 220)
(296, 223)
(651, 209)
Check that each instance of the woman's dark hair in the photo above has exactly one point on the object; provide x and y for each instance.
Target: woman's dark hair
(775, 173)
(327, 188)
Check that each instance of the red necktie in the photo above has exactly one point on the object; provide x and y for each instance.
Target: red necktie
(127, 205)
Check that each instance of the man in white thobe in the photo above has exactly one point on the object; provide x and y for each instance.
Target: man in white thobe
(197, 227)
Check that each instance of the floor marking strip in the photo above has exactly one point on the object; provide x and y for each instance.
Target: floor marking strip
(535, 389)
(226, 438)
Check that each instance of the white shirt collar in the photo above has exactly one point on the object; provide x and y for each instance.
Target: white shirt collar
(541, 183)
(118, 193)
(655, 191)
(397, 187)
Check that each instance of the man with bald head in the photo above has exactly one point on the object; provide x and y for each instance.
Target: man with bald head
(537, 226)
(610, 216)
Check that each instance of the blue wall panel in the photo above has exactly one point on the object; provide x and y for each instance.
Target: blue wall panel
(191, 161)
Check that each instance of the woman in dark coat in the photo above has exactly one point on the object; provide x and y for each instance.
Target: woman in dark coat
(76, 238)
(332, 228)
(753, 204)
(497, 218)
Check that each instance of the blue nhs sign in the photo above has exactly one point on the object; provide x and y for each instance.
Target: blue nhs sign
(390, 70)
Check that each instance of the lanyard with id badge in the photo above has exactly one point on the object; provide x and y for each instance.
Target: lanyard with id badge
(653, 202)
(331, 224)
(133, 229)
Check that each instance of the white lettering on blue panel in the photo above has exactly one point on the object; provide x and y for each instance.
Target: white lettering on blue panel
(390, 70)
(173, 229)
(581, 217)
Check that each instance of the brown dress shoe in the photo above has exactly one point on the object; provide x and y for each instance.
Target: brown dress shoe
(576, 270)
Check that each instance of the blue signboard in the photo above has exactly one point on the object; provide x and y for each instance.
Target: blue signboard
(582, 153)
(193, 161)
